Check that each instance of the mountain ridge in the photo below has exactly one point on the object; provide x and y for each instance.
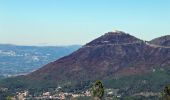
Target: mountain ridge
(162, 41)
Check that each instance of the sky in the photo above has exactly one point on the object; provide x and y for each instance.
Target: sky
(68, 22)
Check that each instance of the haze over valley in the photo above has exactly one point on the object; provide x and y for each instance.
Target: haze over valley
(20, 60)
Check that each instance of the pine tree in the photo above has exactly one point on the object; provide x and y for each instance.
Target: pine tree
(166, 93)
(98, 90)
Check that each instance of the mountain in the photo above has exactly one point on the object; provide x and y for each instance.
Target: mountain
(16, 60)
(99, 58)
(119, 59)
(114, 54)
(163, 41)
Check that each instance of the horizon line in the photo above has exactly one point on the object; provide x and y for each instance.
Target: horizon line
(41, 45)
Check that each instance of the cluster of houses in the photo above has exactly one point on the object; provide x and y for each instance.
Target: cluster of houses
(59, 95)
(47, 95)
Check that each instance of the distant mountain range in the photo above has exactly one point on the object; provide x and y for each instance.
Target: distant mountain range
(118, 59)
(17, 60)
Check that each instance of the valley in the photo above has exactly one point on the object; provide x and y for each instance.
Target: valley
(20, 60)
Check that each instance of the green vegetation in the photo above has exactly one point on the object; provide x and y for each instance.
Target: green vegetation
(8, 98)
(166, 93)
(98, 89)
(6, 95)
(149, 82)
(152, 83)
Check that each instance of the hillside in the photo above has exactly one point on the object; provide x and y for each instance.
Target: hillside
(163, 41)
(112, 55)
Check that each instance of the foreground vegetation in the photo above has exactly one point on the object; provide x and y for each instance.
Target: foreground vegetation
(150, 85)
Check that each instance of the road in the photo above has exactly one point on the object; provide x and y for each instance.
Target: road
(149, 44)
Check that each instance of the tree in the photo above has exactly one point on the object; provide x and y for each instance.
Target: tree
(166, 93)
(98, 90)
(8, 98)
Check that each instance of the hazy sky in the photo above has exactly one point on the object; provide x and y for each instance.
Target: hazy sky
(65, 22)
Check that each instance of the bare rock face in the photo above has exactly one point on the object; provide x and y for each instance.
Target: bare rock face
(112, 55)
